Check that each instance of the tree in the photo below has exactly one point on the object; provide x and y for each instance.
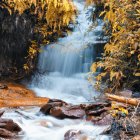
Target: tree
(121, 58)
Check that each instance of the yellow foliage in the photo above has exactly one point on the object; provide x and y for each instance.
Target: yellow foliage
(59, 12)
(121, 58)
(115, 109)
(93, 67)
(26, 67)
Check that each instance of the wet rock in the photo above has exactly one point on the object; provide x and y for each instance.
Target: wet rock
(9, 125)
(6, 133)
(72, 135)
(97, 112)
(106, 120)
(73, 112)
(8, 128)
(75, 135)
(57, 101)
(96, 109)
(96, 105)
(46, 108)
(51, 104)
(61, 109)
(1, 113)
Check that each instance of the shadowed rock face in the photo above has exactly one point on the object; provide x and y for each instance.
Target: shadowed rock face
(15, 32)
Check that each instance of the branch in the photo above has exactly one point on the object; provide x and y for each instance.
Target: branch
(131, 101)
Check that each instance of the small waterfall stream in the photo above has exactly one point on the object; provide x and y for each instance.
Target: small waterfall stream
(68, 61)
(64, 65)
(72, 54)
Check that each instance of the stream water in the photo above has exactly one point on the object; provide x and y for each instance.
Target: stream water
(64, 66)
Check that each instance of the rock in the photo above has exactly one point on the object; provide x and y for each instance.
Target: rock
(73, 112)
(61, 109)
(9, 125)
(96, 109)
(6, 133)
(1, 112)
(106, 120)
(72, 135)
(46, 108)
(51, 104)
(57, 101)
(97, 112)
(96, 105)
(8, 128)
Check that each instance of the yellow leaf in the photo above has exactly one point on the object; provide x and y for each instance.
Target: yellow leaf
(137, 74)
(93, 67)
(26, 67)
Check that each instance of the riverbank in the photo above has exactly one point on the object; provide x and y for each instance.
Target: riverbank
(15, 95)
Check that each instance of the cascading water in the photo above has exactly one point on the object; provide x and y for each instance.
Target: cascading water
(64, 65)
(67, 62)
(72, 54)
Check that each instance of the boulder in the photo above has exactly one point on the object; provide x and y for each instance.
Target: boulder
(51, 104)
(61, 109)
(72, 135)
(106, 120)
(8, 128)
(73, 112)
(9, 125)
(5, 133)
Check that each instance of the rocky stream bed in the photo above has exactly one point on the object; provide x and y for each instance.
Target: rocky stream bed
(93, 120)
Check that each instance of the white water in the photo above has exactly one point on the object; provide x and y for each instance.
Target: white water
(67, 62)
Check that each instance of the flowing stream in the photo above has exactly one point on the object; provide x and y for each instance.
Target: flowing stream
(64, 65)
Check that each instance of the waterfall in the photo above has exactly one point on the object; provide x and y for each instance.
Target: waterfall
(74, 53)
(64, 65)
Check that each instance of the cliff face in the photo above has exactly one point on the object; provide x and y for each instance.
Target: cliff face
(15, 34)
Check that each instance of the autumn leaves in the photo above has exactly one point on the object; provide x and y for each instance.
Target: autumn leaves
(120, 62)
